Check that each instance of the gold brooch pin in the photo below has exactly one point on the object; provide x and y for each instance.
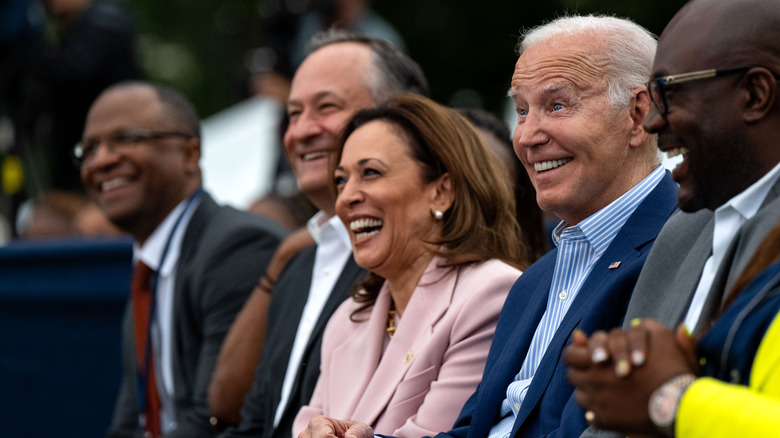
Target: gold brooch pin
(409, 356)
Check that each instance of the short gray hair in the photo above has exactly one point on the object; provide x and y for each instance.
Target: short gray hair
(391, 71)
(630, 50)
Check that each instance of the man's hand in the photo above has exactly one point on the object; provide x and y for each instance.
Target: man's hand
(615, 373)
(324, 427)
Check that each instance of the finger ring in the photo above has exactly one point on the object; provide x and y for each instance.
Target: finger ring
(590, 417)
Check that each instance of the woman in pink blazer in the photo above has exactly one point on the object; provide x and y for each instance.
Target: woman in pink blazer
(431, 216)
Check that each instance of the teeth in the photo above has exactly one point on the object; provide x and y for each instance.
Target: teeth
(116, 182)
(314, 155)
(675, 152)
(359, 226)
(552, 164)
(360, 236)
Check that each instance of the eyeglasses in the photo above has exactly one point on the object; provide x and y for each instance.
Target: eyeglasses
(85, 151)
(656, 85)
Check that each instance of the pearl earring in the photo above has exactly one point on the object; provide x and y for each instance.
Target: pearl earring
(438, 215)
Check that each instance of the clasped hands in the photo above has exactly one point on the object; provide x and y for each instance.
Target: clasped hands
(326, 427)
(616, 372)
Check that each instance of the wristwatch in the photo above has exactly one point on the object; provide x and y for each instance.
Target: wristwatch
(665, 401)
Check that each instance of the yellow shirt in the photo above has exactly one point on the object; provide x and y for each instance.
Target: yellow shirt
(712, 408)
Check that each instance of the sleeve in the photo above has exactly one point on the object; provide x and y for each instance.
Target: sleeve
(228, 276)
(465, 357)
(711, 408)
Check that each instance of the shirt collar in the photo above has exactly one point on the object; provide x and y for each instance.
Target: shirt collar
(747, 202)
(601, 227)
(321, 227)
(152, 250)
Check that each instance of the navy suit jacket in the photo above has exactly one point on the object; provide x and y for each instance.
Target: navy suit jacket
(549, 408)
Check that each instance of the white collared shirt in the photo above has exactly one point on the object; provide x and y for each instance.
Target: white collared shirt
(162, 326)
(333, 251)
(729, 217)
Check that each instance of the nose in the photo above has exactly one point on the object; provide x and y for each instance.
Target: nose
(103, 156)
(304, 127)
(528, 134)
(349, 195)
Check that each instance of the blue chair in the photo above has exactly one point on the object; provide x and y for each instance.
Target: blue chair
(61, 306)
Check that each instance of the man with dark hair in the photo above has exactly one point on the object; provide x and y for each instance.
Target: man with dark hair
(343, 74)
(195, 262)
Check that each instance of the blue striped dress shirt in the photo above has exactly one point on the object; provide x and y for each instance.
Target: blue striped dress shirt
(579, 248)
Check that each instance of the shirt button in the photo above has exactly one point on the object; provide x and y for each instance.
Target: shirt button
(326, 271)
(563, 295)
(517, 406)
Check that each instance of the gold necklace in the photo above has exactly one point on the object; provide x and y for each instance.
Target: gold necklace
(391, 320)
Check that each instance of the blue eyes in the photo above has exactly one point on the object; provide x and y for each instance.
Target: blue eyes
(557, 107)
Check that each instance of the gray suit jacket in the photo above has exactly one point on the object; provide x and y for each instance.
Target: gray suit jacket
(223, 253)
(671, 274)
(669, 278)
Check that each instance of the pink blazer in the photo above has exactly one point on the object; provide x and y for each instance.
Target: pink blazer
(419, 383)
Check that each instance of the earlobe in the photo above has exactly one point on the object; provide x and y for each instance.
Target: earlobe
(761, 87)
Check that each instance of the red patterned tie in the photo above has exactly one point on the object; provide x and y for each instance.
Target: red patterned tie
(141, 296)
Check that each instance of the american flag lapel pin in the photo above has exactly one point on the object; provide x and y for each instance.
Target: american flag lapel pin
(614, 265)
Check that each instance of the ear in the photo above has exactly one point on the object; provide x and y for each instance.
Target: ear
(760, 88)
(191, 153)
(443, 193)
(639, 108)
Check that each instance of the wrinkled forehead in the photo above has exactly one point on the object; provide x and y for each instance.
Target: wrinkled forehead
(576, 63)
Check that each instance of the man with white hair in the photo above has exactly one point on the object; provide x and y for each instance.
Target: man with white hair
(578, 88)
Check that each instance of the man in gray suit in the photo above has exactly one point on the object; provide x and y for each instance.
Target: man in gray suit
(716, 97)
(342, 74)
(139, 161)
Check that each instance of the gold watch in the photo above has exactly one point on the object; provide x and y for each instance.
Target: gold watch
(665, 401)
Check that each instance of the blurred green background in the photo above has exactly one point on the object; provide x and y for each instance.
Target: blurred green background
(466, 47)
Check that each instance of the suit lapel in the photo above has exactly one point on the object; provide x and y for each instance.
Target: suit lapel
(522, 309)
(342, 290)
(597, 289)
(606, 285)
(430, 301)
(350, 275)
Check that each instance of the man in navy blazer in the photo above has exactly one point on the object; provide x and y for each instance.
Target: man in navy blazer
(579, 92)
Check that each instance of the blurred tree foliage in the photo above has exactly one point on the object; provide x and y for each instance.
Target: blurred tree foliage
(466, 47)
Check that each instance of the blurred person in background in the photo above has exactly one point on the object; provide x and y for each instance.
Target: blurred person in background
(195, 261)
(91, 47)
(530, 217)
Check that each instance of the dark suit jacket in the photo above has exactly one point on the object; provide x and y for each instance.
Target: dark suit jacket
(223, 253)
(284, 314)
(670, 277)
(549, 408)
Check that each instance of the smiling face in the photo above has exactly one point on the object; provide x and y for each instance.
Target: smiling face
(328, 88)
(137, 185)
(703, 119)
(384, 202)
(576, 149)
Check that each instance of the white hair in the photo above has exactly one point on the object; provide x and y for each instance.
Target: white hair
(630, 50)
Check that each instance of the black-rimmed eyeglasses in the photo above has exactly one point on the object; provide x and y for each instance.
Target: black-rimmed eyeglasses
(84, 151)
(656, 85)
